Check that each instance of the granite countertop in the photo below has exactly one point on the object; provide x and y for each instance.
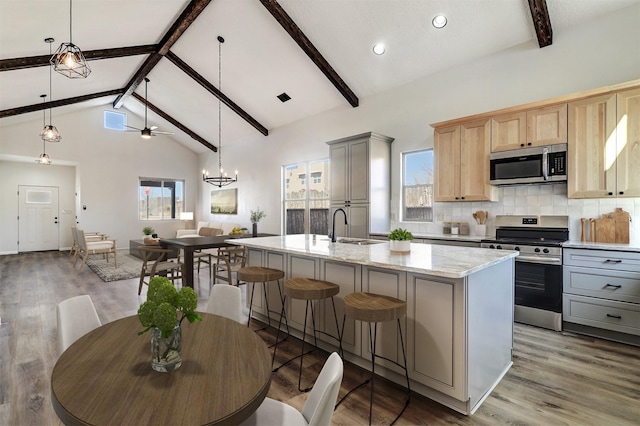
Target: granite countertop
(634, 247)
(431, 259)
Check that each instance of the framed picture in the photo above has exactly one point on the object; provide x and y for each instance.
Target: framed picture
(224, 201)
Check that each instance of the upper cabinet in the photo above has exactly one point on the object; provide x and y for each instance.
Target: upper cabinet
(604, 146)
(547, 125)
(509, 131)
(461, 162)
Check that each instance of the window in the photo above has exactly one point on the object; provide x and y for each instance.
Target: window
(115, 120)
(417, 186)
(306, 201)
(160, 199)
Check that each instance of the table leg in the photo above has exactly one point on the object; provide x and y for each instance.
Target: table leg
(188, 266)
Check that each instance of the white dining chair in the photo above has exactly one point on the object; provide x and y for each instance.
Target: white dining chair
(226, 300)
(76, 317)
(317, 410)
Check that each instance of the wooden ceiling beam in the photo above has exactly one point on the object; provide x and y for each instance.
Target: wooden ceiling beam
(305, 44)
(57, 103)
(175, 122)
(541, 22)
(186, 18)
(91, 55)
(215, 92)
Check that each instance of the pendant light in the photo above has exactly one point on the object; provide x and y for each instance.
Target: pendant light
(44, 158)
(69, 59)
(49, 132)
(222, 179)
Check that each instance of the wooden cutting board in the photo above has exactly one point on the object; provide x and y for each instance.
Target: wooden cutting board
(621, 219)
(605, 230)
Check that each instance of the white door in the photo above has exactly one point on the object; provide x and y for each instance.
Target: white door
(38, 218)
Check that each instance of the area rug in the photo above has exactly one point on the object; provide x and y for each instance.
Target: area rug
(128, 267)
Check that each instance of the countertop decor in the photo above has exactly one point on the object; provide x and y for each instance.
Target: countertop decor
(400, 241)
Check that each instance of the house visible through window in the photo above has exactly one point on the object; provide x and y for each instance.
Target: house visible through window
(306, 201)
(160, 199)
(417, 186)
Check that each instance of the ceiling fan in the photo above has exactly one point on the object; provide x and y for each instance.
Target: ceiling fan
(147, 132)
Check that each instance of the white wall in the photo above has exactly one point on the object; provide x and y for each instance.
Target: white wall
(107, 166)
(594, 55)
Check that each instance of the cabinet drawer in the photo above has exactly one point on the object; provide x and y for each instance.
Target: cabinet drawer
(617, 316)
(605, 259)
(614, 285)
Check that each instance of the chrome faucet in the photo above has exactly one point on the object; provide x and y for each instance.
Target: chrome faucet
(333, 226)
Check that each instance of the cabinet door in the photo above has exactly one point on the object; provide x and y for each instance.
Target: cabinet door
(548, 125)
(628, 144)
(509, 132)
(339, 165)
(358, 217)
(475, 148)
(446, 145)
(358, 173)
(591, 142)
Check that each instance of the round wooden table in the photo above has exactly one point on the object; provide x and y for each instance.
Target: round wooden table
(105, 377)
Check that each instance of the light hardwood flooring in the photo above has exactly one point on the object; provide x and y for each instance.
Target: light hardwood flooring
(556, 379)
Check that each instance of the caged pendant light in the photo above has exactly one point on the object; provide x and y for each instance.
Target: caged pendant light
(222, 179)
(44, 158)
(49, 132)
(69, 59)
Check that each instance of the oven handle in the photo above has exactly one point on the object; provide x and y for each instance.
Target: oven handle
(543, 260)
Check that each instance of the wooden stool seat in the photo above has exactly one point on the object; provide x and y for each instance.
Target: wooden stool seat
(371, 307)
(259, 274)
(310, 289)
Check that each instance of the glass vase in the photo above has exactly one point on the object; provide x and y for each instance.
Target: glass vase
(255, 229)
(165, 352)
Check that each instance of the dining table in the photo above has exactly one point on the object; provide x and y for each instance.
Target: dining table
(190, 244)
(105, 377)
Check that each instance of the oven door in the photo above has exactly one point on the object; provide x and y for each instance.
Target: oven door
(538, 285)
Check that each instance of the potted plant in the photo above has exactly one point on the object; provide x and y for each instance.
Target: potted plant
(400, 240)
(255, 217)
(147, 231)
(160, 315)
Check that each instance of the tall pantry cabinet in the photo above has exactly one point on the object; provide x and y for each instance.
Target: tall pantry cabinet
(361, 184)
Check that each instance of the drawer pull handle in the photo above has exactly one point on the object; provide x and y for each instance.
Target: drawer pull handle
(613, 285)
(613, 261)
(614, 316)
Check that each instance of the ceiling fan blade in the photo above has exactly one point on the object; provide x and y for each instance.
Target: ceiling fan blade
(153, 127)
(133, 129)
(162, 133)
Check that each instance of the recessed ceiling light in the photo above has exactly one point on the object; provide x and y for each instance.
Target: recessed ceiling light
(439, 21)
(378, 48)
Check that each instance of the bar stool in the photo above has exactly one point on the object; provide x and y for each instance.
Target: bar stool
(309, 290)
(259, 274)
(375, 308)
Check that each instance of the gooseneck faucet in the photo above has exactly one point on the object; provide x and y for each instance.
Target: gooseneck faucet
(333, 226)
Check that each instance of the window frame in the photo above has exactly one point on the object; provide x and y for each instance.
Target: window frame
(309, 203)
(429, 216)
(177, 202)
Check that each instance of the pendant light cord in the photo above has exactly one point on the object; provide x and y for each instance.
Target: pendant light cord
(70, 21)
(50, 95)
(220, 41)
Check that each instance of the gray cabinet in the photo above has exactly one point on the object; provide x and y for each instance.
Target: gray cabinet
(602, 293)
(361, 183)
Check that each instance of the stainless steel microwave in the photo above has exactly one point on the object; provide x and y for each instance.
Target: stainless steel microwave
(530, 165)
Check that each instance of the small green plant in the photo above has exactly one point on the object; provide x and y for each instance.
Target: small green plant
(147, 230)
(400, 234)
(162, 306)
(256, 215)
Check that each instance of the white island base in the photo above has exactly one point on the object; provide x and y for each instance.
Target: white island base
(458, 330)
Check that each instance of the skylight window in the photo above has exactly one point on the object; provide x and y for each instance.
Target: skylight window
(115, 120)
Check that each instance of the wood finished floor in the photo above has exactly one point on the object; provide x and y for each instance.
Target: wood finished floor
(556, 379)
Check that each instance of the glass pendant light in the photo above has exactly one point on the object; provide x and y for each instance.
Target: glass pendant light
(49, 132)
(44, 158)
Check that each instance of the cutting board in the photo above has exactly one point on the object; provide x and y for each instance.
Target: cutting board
(605, 230)
(621, 226)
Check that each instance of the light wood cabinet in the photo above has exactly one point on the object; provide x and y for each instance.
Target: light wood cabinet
(604, 146)
(461, 162)
(509, 132)
(547, 126)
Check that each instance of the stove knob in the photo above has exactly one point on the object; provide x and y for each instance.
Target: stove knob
(537, 250)
(492, 246)
(516, 248)
(546, 250)
(499, 247)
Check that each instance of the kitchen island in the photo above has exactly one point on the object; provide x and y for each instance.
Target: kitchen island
(459, 325)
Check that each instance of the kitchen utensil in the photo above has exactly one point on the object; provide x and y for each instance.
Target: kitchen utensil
(592, 231)
(583, 222)
(605, 230)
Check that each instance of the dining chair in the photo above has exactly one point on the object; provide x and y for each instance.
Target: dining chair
(226, 300)
(317, 410)
(229, 260)
(154, 263)
(89, 245)
(76, 317)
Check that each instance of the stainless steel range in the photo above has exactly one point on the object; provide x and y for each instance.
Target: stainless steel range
(538, 275)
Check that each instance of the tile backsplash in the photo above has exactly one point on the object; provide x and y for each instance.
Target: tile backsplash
(549, 199)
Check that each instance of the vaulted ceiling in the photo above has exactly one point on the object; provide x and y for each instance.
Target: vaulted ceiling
(319, 52)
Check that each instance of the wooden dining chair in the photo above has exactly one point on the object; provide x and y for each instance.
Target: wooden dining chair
(229, 260)
(76, 317)
(155, 263)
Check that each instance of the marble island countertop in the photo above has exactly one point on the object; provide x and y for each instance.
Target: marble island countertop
(431, 259)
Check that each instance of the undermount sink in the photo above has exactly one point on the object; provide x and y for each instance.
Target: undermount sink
(359, 242)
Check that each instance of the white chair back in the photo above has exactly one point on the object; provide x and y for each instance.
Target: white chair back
(76, 317)
(226, 300)
(319, 407)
